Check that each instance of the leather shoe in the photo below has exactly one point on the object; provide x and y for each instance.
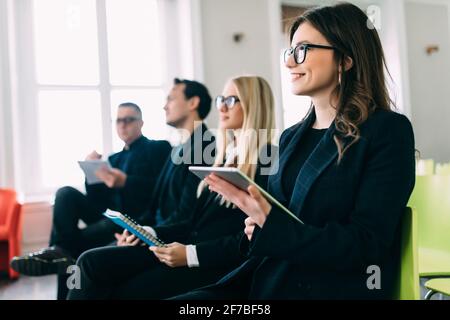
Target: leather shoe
(52, 260)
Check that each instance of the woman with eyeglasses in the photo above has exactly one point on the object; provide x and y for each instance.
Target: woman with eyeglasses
(346, 171)
(199, 251)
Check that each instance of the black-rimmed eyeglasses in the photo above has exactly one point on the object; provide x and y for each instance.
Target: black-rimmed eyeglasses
(229, 101)
(126, 120)
(300, 50)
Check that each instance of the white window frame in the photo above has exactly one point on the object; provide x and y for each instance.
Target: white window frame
(176, 33)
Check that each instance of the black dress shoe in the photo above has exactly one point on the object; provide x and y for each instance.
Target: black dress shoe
(52, 260)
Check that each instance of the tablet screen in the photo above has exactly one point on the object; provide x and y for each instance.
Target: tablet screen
(240, 180)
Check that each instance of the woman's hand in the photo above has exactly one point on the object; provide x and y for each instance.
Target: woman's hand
(173, 255)
(126, 239)
(249, 228)
(252, 202)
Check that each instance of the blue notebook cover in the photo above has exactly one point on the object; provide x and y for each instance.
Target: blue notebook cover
(134, 228)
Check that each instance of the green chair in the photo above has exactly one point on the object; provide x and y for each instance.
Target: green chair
(408, 287)
(437, 286)
(431, 199)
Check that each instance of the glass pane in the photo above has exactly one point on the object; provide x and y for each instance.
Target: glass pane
(66, 42)
(151, 103)
(134, 42)
(70, 127)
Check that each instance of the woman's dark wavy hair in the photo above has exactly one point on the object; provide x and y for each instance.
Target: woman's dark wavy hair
(362, 88)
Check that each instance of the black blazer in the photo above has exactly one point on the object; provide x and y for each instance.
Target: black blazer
(351, 213)
(146, 159)
(215, 229)
(175, 193)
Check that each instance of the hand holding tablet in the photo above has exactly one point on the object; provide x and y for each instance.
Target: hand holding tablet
(239, 180)
(90, 167)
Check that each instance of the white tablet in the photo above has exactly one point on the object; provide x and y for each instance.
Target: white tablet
(90, 167)
(239, 180)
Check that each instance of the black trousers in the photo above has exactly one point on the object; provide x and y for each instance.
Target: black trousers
(235, 291)
(209, 294)
(135, 273)
(71, 206)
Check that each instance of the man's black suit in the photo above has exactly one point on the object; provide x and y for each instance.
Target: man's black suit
(142, 162)
(175, 193)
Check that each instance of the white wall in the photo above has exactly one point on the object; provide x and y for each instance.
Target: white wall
(6, 139)
(430, 76)
(255, 54)
(393, 37)
(2, 123)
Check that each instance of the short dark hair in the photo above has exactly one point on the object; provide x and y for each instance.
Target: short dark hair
(196, 89)
(132, 105)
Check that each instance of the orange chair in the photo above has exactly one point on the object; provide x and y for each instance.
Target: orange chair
(10, 230)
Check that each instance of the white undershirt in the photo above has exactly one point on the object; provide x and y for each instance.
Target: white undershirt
(191, 250)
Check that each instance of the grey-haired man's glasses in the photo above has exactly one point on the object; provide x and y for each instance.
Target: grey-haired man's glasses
(126, 120)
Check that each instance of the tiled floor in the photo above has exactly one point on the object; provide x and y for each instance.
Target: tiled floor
(28, 288)
(44, 288)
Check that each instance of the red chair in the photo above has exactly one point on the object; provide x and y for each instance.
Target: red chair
(10, 230)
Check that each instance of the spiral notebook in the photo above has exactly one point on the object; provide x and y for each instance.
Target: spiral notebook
(132, 226)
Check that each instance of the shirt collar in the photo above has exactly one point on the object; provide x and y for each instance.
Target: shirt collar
(134, 143)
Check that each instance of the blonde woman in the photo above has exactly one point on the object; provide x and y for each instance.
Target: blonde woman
(205, 248)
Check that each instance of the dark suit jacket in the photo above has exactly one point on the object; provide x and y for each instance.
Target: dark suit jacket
(215, 229)
(351, 213)
(175, 193)
(146, 159)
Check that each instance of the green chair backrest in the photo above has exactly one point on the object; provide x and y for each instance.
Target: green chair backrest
(408, 287)
(431, 199)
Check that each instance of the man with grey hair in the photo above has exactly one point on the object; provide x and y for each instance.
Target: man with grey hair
(127, 187)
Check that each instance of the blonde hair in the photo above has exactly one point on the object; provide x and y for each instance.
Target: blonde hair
(257, 102)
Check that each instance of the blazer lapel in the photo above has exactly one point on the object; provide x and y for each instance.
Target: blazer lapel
(275, 187)
(321, 157)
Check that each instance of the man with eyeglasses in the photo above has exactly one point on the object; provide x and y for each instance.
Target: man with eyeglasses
(127, 187)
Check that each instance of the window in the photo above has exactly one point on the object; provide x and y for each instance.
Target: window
(66, 43)
(134, 46)
(79, 59)
(67, 118)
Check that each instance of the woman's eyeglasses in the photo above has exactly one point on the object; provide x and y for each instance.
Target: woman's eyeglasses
(126, 120)
(301, 50)
(229, 101)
